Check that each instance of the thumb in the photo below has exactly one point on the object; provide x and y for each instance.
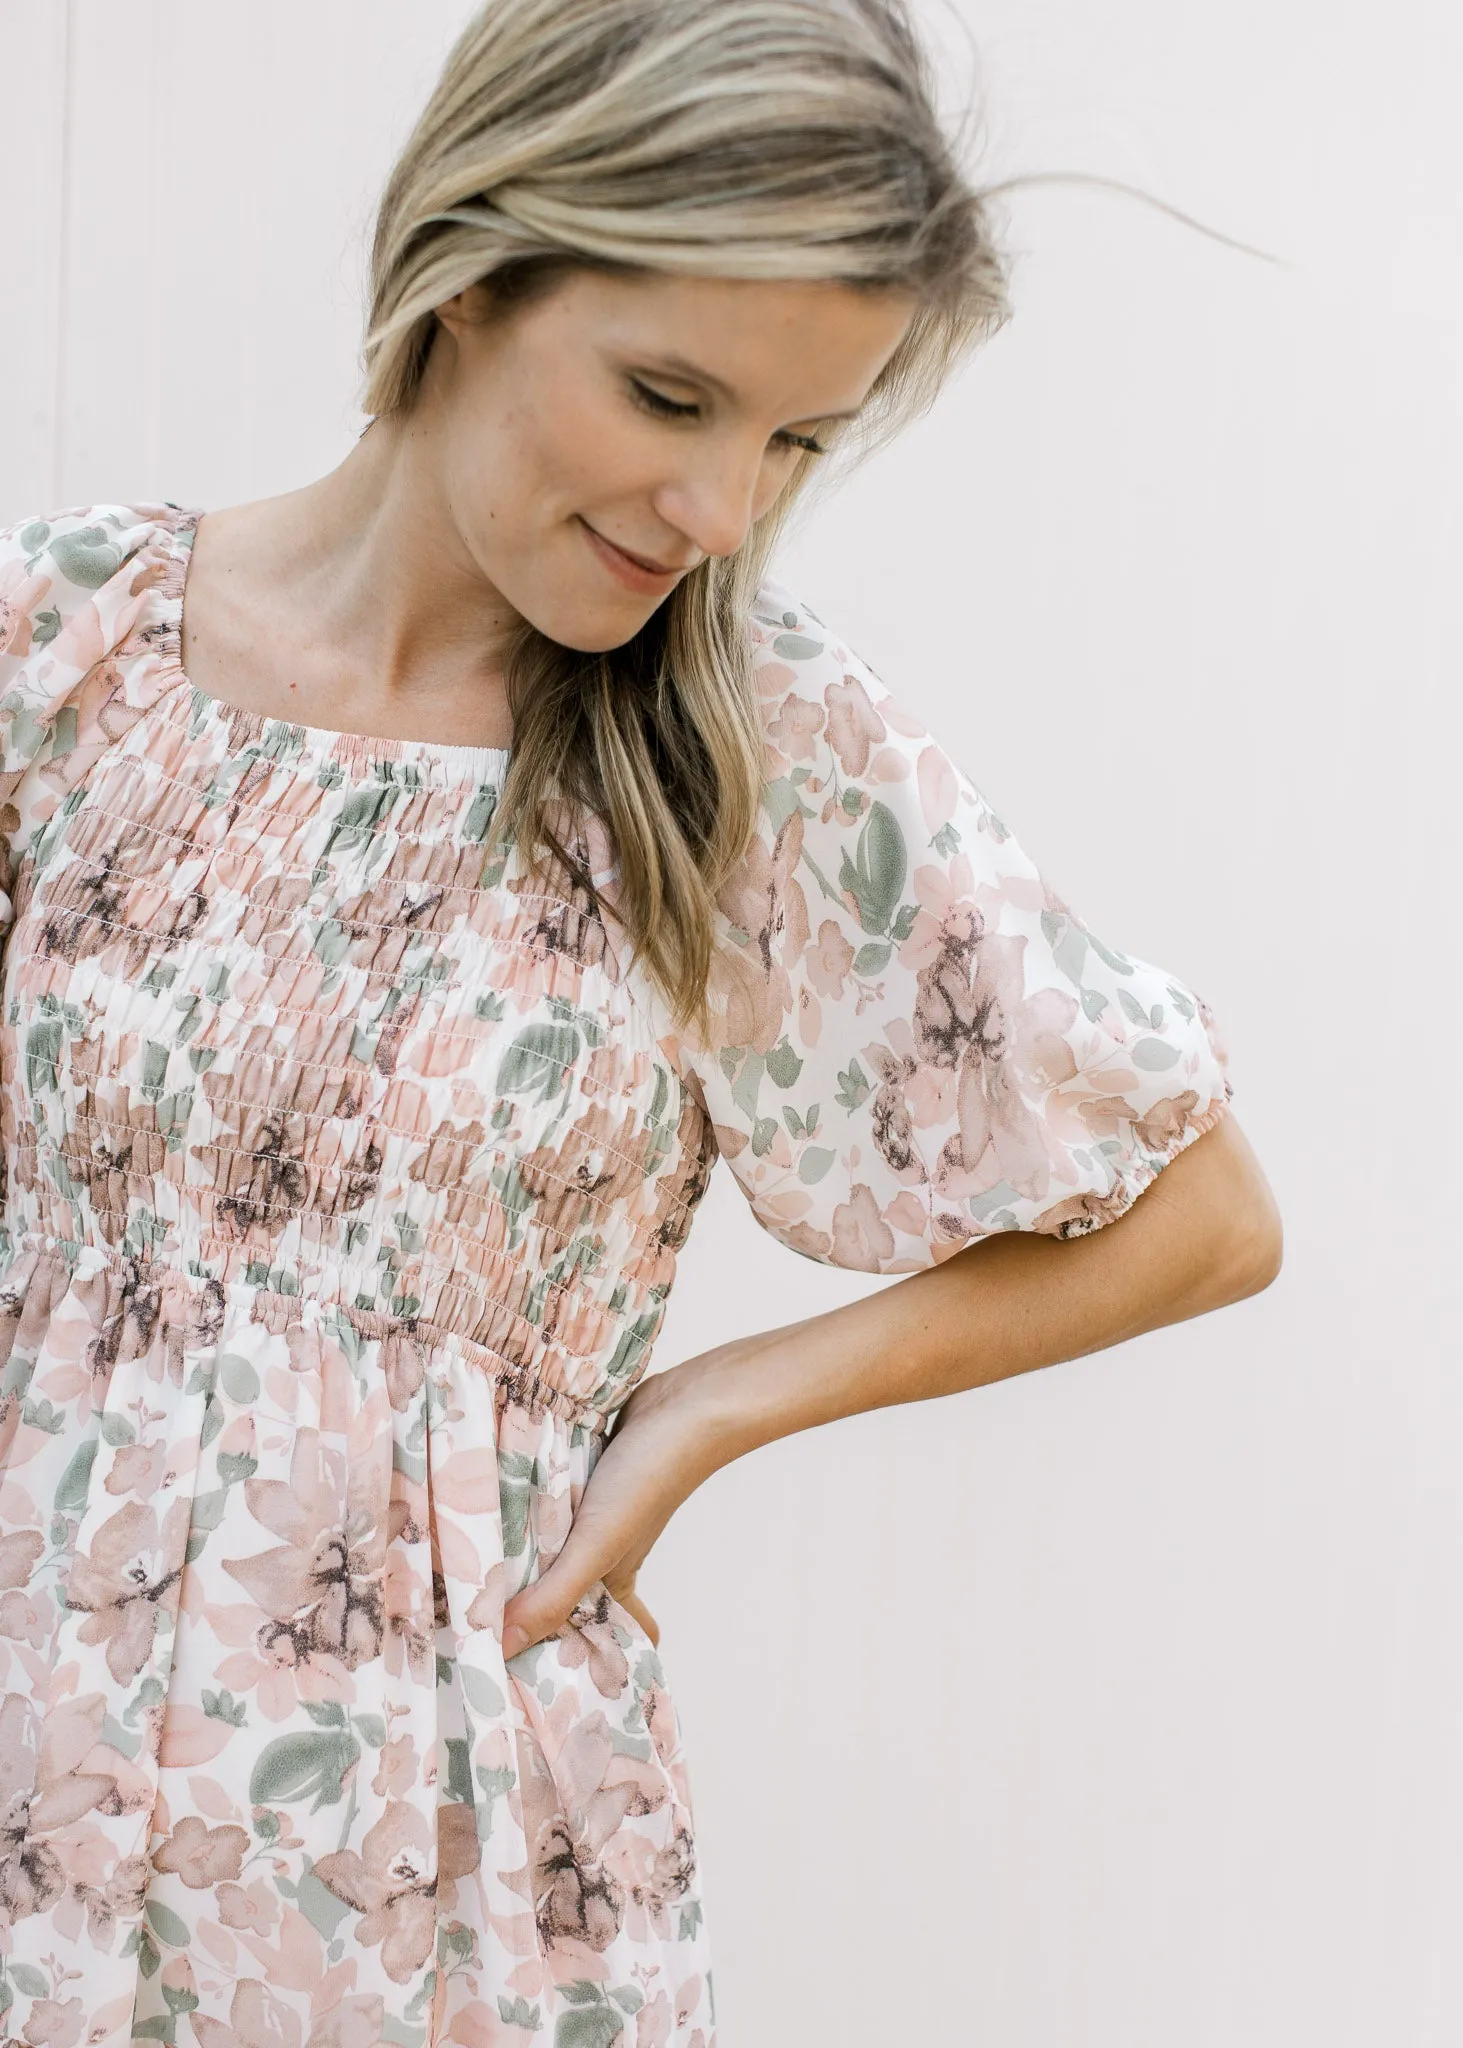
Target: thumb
(543, 1607)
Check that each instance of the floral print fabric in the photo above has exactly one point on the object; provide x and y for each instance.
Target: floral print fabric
(345, 1171)
(917, 1043)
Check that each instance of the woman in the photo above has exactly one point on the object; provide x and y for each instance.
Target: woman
(418, 880)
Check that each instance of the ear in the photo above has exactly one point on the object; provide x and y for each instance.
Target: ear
(467, 308)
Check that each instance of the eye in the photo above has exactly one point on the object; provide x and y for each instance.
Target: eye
(656, 402)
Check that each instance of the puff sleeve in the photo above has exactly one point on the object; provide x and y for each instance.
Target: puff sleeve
(72, 584)
(916, 1043)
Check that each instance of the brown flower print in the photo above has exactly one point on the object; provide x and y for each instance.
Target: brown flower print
(130, 1574)
(589, 1640)
(971, 1014)
(322, 1587)
(388, 1884)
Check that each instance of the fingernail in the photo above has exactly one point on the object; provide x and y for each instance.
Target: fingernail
(514, 1639)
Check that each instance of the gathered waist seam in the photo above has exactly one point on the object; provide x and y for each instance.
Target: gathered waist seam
(279, 1310)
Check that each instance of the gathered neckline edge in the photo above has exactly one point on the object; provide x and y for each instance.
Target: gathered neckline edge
(455, 763)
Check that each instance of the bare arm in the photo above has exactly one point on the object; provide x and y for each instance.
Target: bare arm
(1204, 1234)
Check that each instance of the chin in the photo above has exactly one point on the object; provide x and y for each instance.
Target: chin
(586, 636)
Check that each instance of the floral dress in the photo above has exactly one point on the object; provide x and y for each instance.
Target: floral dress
(346, 1166)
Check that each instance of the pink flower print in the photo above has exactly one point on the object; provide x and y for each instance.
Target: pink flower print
(252, 1908)
(322, 1587)
(765, 899)
(653, 2022)
(1081, 1213)
(138, 1468)
(202, 1856)
(941, 894)
(862, 1240)
(178, 1977)
(972, 1017)
(796, 727)
(396, 1772)
(54, 2024)
(388, 1884)
(132, 1570)
(652, 1878)
(854, 726)
(893, 1126)
(575, 1898)
(354, 2023)
(459, 1852)
(589, 1640)
(119, 1898)
(256, 2020)
(1166, 1121)
(19, 1553)
(829, 958)
(939, 790)
(25, 1620)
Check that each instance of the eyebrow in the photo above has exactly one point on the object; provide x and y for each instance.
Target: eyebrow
(682, 366)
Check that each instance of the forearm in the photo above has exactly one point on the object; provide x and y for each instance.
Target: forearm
(1204, 1234)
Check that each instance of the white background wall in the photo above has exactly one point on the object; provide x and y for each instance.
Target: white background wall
(1119, 1706)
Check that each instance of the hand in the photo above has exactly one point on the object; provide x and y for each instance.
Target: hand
(663, 1444)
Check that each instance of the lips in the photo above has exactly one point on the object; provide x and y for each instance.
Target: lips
(629, 569)
(645, 561)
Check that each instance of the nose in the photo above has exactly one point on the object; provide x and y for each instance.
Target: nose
(714, 497)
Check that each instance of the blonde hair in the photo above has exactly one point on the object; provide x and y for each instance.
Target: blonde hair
(793, 139)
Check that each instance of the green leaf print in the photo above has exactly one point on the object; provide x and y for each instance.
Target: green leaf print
(75, 1480)
(303, 1767)
(1153, 1054)
(88, 556)
(748, 1081)
(875, 876)
(517, 2012)
(240, 1381)
(167, 1925)
(870, 958)
(27, 1978)
(796, 646)
(483, 1696)
(854, 1086)
(783, 1064)
(591, 2027)
(536, 1060)
(43, 1054)
(513, 1497)
(321, 1908)
(814, 1163)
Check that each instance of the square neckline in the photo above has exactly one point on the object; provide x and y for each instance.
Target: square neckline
(470, 765)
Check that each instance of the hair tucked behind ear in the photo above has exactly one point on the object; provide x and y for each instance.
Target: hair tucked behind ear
(790, 139)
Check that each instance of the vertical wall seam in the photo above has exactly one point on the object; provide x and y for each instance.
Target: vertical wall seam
(63, 249)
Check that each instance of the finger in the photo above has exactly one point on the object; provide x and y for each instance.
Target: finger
(634, 1605)
(544, 1607)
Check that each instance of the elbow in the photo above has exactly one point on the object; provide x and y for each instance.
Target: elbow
(1238, 1219)
(1260, 1252)
(1251, 1250)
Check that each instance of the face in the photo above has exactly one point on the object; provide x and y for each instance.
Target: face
(660, 417)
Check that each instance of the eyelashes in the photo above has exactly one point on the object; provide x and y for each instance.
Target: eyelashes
(656, 403)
